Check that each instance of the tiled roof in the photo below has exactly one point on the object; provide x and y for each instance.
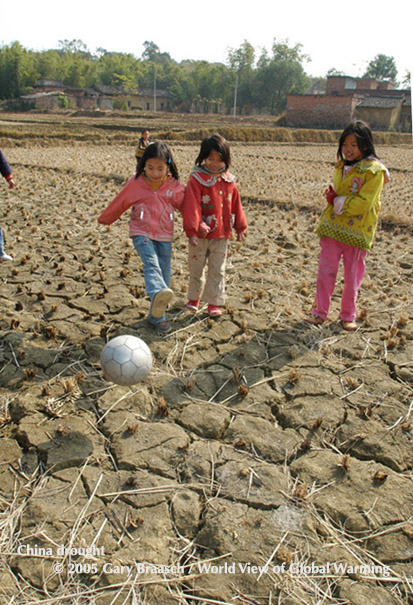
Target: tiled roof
(379, 101)
(42, 95)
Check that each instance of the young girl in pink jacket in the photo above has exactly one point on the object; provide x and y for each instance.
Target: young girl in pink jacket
(153, 195)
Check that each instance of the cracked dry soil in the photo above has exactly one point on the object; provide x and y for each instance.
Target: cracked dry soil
(255, 439)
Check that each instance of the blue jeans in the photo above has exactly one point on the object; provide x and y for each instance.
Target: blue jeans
(156, 258)
(1, 242)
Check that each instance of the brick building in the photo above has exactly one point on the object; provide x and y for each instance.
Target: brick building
(346, 98)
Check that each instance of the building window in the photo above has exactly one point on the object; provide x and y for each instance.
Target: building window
(350, 84)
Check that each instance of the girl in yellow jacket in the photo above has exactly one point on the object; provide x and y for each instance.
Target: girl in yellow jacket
(348, 223)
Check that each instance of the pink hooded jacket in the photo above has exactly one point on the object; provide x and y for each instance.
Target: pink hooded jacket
(152, 212)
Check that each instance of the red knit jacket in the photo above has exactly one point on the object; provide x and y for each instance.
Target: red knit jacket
(214, 200)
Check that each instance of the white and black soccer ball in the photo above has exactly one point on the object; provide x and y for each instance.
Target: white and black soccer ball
(126, 359)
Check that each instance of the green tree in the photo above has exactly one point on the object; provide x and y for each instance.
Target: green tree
(199, 84)
(316, 85)
(73, 46)
(210, 86)
(17, 71)
(158, 68)
(49, 65)
(335, 72)
(183, 86)
(151, 51)
(124, 82)
(76, 63)
(278, 75)
(407, 81)
(382, 67)
(241, 63)
(112, 66)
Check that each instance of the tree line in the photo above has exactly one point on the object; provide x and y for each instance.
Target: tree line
(245, 83)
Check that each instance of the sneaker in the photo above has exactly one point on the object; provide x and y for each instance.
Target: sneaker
(160, 301)
(192, 305)
(349, 326)
(214, 311)
(163, 327)
(5, 257)
(314, 320)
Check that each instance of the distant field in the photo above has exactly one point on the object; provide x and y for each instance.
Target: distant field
(104, 128)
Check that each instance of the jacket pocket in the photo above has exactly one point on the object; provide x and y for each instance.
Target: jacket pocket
(166, 220)
(140, 215)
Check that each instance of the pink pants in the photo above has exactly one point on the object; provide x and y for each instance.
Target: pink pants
(354, 268)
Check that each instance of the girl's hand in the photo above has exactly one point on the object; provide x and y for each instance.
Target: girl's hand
(241, 236)
(330, 195)
(193, 240)
(11, 182)
(204, 229)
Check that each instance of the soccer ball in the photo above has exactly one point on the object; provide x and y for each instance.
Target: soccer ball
(126, 359)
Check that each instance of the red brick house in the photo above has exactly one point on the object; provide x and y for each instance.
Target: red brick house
(346, 98)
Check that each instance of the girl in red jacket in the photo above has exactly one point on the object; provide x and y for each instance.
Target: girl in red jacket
(153, 195)
(212, 208)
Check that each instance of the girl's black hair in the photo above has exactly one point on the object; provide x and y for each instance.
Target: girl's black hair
(160, 151)
(215, 142)
(363, 135)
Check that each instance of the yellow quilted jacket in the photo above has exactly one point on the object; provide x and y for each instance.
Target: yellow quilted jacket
(362, 187)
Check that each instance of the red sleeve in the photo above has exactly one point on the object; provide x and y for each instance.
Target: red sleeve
(191, 211)
(120, 204)
(240, 223)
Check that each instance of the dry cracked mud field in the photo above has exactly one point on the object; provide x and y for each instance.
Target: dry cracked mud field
(262, 461)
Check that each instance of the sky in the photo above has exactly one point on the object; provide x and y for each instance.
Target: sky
(345, 36)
